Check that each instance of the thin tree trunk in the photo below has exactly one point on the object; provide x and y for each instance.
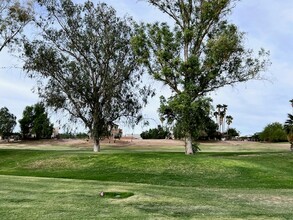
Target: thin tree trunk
(188, 138)
(224, 122)
(188, 145)
(97, 147)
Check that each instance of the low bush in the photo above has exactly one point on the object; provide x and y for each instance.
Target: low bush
(273, 132)
(155, 133)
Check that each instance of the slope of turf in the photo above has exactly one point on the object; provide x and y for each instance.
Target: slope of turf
(52, 182)
(51, 198)
(253, 170)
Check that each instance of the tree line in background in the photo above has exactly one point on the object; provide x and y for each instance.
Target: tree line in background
(156, 133)
(89, 62)
(273, 132)
(34, 124)
(212, 130)
(277, 132)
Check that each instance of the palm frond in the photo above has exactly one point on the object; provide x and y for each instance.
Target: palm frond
(289, 120)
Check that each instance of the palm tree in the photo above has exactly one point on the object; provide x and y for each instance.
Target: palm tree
(219, 106)
(229, 120)
(225, 107)
(222, 119)
(289, 124)
(220, 115)
(289, 128)
(223, 116)
(216, 114)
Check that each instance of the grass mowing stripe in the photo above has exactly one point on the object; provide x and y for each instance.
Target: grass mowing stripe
(219, 170)
(214, 185)
(50, 198)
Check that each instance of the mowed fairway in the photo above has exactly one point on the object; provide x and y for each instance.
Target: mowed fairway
(227, 180)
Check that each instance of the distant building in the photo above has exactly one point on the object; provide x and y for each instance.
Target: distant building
(115, 131)
(246, 138)
(55, 133)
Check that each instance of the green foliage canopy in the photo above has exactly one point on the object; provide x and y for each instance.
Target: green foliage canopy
(7, 122)
(196, 116)
(232, 132)
(155, 133)
(13, 18)
(35, 122)
(273, 132)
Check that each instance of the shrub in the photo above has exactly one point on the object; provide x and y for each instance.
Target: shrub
(69, 135)
(273, 132)
(232, 133)
(155, 133)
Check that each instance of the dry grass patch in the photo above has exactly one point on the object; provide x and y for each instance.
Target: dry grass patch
(65, 163)
(244, 146)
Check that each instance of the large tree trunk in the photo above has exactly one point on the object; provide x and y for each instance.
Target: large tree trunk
(188, 145)
(97, 147)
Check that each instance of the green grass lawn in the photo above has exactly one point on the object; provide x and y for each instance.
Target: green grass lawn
(232, 182)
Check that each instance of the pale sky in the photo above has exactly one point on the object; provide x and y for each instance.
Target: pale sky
(268, 24)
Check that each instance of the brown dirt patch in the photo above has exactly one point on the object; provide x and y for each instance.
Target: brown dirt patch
(123, 142)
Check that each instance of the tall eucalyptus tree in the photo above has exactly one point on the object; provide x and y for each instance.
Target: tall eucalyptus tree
(85, 65)
(200, 53)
